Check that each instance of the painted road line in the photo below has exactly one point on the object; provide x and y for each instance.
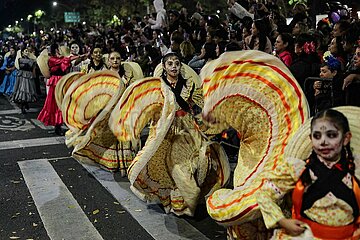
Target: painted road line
(152, 218)
(17, 111)
(41, 125)
(62, 216)
(35, 142)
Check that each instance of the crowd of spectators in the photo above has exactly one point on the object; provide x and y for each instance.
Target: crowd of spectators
(306, 47)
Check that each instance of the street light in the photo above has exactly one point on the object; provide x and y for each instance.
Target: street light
(55, 4)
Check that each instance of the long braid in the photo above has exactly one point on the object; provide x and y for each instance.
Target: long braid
(350, 159)
(305, 176)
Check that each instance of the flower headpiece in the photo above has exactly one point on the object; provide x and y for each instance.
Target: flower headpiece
(332, 62)
(327, 21)
(309, 47)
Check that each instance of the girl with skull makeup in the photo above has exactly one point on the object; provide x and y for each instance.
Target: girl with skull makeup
(326, 193)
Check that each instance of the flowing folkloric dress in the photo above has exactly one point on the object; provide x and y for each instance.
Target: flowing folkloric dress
(8, 83)
(50, 113)
(25, 90)
(178, 165)
(331, 204)
(87, 101)
(256, 94)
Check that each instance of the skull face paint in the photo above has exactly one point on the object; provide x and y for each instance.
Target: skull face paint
(327, 140)
(74, 49)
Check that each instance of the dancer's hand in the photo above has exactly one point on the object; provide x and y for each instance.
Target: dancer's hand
(293, 227)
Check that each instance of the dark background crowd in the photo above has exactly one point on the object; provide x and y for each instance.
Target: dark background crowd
(322, 54)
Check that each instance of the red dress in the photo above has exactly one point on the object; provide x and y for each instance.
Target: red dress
(50, 113)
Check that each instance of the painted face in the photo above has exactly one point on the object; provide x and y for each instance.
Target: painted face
(74, 49)
(172, 66)
(327, 140)
(326, 73)
(97, 55)
(115, 60)
(279, 44)
(26, 52)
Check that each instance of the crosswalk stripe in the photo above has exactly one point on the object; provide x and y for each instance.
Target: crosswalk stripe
(62, 216)
(41, 125)
(17, 111)
(35, 142)
(150, 217)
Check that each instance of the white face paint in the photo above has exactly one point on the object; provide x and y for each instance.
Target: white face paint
(74, 49)
(115, 60)
(26, 52)
(172, 67)
(97, 54)
(327, 140)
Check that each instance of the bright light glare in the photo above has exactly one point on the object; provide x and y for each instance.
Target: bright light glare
(54, 4)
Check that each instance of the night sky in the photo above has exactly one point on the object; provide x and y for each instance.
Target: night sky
(12, 10)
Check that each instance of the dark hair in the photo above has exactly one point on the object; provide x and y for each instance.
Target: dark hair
(210, 51)
(221, 45)
(262, 35)
(351, 35)
(287, 38)
(53, 48)
(343, 25)
(342, 123)
(232, 46)
(335, 117)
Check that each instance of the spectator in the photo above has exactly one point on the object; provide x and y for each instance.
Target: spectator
(160, 22)
(307, 63)
(238, 10)
(187, 51)
(174, 20)
(340, 28)
(336, 49)
(328, 92)
(258, 39)
(299, 28)
(283, 48)
(220, 48)
(208, 52)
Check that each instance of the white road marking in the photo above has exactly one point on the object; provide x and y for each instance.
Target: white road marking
(62, 216)
(41, 125)
(35, 142)
(152, 218)
(17, 111)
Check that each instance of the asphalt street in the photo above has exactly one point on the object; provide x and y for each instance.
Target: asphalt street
(46, 194)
